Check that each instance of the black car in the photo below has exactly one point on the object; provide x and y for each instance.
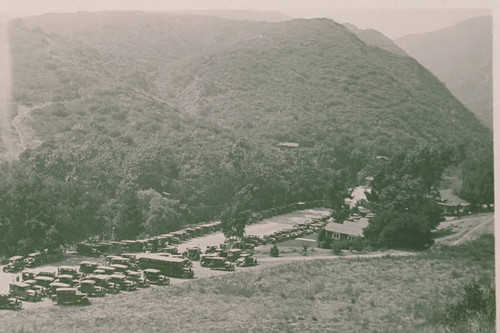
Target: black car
(11, 303)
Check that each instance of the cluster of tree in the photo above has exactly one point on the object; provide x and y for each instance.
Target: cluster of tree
(404, 199)
(61, 193)
(478, 177)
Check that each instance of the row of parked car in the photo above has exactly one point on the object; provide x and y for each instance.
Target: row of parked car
(157, 243)
(295, 231)
(75, 285)
(17, 263)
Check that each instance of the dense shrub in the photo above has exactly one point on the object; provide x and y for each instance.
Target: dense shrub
(476, 308)
(356, 244)
(275, 251)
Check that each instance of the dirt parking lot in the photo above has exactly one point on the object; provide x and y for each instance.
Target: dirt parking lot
(264, 227)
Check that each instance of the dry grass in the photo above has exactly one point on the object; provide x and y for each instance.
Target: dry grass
(344, 295)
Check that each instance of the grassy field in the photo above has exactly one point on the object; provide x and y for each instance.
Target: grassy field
(385, 294)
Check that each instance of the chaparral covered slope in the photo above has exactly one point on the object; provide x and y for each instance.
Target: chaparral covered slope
(461, 56)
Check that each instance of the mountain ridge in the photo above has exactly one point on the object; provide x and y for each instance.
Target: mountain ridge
(375, 38)
(193, 46)
(461, 57)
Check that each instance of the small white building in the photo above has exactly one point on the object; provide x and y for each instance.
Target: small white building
(345, 230)
(452, 204)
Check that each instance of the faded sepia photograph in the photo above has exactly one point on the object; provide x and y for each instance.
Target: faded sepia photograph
(247, 166)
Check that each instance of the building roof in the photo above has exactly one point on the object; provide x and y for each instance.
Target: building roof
(449, 198)
(358, 194)
(348, 227)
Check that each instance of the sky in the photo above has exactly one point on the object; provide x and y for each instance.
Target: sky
(394, 18)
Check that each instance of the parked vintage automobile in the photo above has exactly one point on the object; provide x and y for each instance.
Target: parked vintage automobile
(34, 259)
(90, 288)
(175, 240)
(105, 282)
(68, 270)
(28, 275)
(233, 255)
(171, 266)
(210, 249)
(42, 291)
(68, 296)
(137, 277)
(43, 281)
(16, 263)
(87, 267)
(68, 279)
(54, 286)
(86, 249)
(221, 263)
(123, 283)
(246, 260)
(171, 249)
(8, 302)
(23, 291)
(47, 273)
(192, 253)
(106, 269)
(155, 277)
(132, 257)
(40, 284)
(119, 260)
(205, 259)
(119, 268)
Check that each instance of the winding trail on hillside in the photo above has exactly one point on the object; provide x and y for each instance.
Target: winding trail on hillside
(16, 132)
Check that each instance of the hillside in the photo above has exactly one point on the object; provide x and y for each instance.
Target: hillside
(460, 56)
(374, 38)
(151, 121)
(253, 77)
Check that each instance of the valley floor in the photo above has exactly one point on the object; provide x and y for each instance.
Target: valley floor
(318, 293)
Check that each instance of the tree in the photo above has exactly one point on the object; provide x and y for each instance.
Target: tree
(275, 251)
(159, 213)
(478, 178)
(404, 199)
(236, 216)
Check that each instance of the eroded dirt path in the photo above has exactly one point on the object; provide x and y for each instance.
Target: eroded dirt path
(16, 132)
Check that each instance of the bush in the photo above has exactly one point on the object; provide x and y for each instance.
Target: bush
(478, 305)
(356, 244)
(275, 251)
(305, 247)
(336, 247)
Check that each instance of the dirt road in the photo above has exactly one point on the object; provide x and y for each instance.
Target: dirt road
(466, 228)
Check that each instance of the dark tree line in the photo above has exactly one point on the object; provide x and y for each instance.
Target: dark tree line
(62, 193)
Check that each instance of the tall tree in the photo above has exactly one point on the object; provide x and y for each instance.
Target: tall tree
(404, 199)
